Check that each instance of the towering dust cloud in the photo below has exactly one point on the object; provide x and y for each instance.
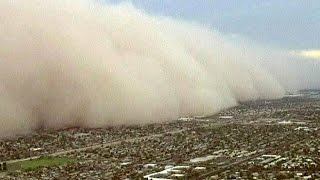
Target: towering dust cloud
(83, 63)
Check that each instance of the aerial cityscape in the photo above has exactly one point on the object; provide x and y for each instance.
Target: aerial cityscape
(263, 139)
(159, 89)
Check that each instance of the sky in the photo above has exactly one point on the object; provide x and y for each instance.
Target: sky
(284, 24)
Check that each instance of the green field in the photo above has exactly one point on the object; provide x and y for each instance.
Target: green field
(34, 164)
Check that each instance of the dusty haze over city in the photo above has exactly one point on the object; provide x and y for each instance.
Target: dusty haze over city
(90, 64)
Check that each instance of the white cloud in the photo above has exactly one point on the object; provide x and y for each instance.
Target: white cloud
(310, 53)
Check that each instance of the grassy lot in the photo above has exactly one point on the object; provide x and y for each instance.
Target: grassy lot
(34, 164)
